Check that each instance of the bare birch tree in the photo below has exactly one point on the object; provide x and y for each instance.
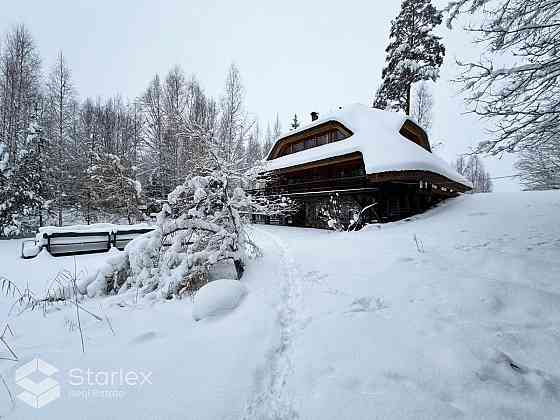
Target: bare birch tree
(473, 170)
(20, 69)
(422, 106)
(522, 97)
(539, 169)
(234, 125)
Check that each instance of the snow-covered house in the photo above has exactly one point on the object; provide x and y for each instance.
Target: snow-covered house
(354, 157)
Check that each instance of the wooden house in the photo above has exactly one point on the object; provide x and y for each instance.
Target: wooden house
(354, 159)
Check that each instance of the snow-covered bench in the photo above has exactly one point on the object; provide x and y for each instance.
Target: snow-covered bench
(82, 239)
(76, 243)
(124, 235)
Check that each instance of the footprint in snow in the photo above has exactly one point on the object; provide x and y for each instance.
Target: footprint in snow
(315, 276)
(480, 213)
(142, 338)
(500, 369)
(367, 304)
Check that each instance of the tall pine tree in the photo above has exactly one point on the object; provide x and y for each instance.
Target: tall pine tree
(413, 54)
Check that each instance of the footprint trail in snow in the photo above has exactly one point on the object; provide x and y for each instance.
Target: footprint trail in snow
(271, 399)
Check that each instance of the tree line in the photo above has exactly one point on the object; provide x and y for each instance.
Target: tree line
(63, 159)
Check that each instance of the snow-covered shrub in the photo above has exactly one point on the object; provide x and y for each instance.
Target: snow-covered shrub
(338, 214)
(198, 228)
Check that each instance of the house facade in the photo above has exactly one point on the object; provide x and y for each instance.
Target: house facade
(357, 165)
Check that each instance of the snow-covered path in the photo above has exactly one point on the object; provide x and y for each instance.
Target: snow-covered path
(271, 400)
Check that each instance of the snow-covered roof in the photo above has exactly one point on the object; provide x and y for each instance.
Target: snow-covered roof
(376, 136)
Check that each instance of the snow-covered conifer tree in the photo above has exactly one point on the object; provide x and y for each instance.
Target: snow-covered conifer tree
(113, 187)
(295, 122)
(414, 53)
(23, 185)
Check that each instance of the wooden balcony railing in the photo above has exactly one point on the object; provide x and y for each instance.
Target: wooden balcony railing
(312, 186)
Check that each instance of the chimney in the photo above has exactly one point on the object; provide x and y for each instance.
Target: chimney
(314, 116)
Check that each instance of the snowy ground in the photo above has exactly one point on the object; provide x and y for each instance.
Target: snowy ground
(455, 314)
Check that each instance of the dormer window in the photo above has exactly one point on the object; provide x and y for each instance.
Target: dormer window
(415, 134)
(326, 133)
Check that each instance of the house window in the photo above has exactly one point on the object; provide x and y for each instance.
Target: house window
(323, 139)
(336, 135)
(297, 147)
(329, 136)
(309, 143)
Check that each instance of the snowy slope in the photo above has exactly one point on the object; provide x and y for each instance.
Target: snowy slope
(376, 136)
(454, 314)
(386, 331)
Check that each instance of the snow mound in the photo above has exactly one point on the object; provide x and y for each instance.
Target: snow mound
(218, 297)
(30, 250)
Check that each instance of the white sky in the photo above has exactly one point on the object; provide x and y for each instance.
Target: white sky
(294, 56)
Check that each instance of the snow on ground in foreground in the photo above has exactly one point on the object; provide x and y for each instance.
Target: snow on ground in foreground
(455, 314)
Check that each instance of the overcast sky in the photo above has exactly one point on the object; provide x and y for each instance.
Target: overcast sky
(294, 56)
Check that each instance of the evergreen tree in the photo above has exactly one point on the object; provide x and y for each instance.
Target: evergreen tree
(113, 188)
(22, 185)
(295, 122)
(413, 54)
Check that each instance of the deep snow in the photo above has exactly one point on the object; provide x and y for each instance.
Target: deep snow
(453, 314)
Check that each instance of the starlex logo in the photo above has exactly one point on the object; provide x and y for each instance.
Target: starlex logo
(37, 394)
